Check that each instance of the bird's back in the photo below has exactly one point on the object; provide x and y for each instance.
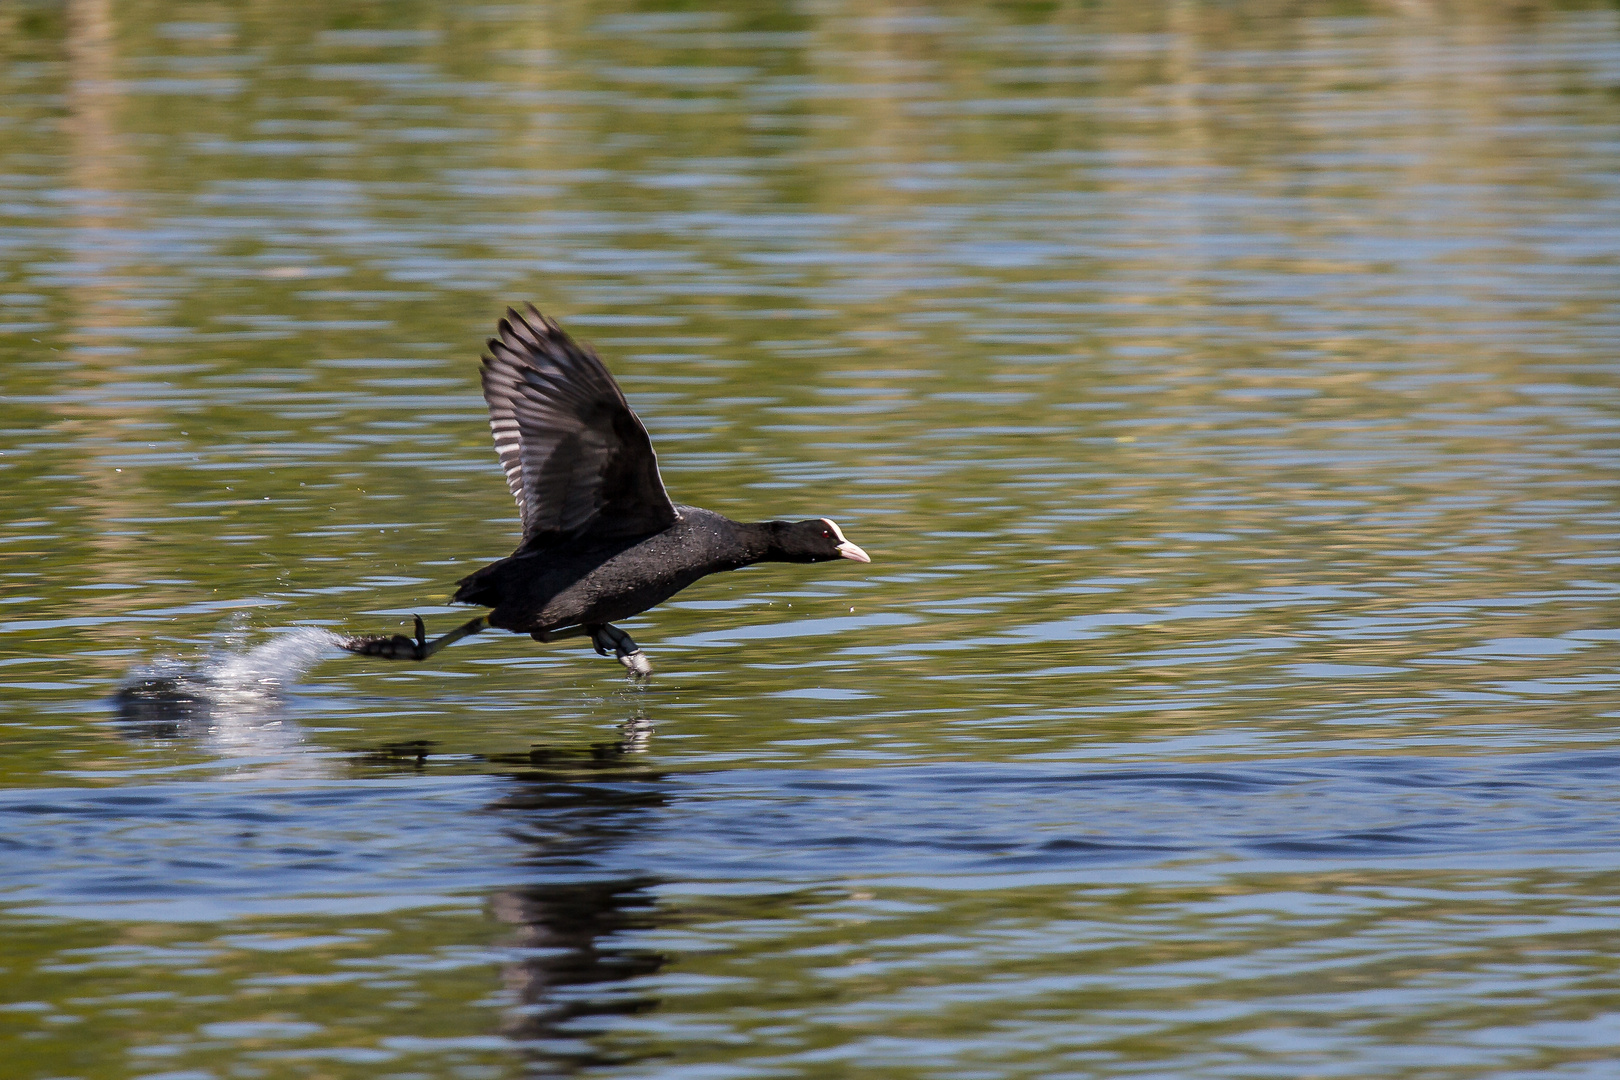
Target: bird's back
(550, 587)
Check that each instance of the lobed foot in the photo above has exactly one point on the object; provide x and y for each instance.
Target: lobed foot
(605, 637)
(637, 664)
(398, 647)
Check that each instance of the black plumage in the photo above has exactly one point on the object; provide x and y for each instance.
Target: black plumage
(602, 540)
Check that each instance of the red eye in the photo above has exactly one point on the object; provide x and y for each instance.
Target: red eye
(825, 535)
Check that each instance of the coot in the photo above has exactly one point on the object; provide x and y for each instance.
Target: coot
(601, 539)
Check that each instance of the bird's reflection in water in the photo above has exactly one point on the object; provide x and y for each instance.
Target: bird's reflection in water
(570, 810)
(570, 807)
(576, 969)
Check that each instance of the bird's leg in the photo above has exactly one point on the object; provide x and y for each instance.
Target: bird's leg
(605, 637)
(400, 647)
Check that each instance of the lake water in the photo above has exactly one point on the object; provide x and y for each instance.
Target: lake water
(1227, 395)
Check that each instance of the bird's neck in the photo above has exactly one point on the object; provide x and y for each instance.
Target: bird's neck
(759, 542)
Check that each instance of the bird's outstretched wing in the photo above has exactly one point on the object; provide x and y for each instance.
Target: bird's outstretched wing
(577, 459)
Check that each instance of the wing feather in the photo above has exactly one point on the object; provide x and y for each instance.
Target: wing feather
(577, 459)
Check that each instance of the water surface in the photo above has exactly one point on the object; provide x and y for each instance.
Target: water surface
(1227, 397)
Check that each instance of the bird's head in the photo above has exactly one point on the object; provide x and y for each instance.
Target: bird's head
(816, 540)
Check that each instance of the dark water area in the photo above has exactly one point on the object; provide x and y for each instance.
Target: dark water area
(1227, 394)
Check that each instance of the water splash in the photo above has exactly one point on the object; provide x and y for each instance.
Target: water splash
(242, 683)
(273, 665)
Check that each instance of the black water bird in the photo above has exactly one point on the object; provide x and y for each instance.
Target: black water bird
(601, 539)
